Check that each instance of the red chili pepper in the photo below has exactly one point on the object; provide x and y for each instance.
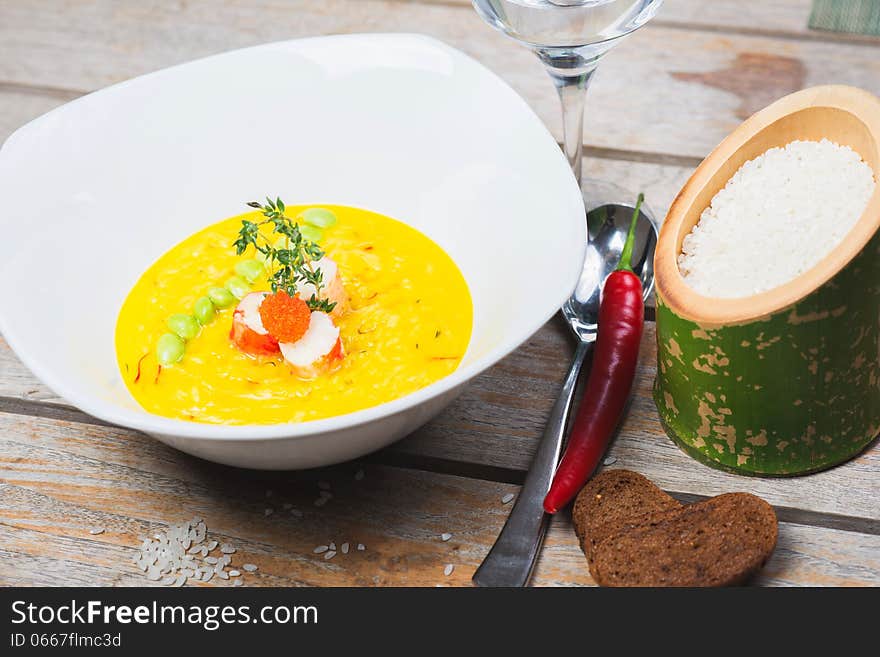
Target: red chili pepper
(621, 320)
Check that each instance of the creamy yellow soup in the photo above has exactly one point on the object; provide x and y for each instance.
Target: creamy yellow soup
(408, 325)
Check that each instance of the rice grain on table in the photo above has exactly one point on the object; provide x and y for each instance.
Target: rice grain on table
(448, 570)
(249, 567)
(505, 499)
(180, 553)
(776, 218)
(445, 537)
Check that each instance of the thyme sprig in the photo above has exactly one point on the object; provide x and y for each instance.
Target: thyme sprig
(289, 258)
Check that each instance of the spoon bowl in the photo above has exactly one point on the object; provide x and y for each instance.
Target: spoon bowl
(608, 224)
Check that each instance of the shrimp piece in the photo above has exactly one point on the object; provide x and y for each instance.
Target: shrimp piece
(248, 333)
(331, 287)
(318, 351)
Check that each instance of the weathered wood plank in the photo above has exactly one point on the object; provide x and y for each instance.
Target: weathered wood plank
(54, 492)
(784, 19)
(60, 480)
(689, 96)
(501, 416)
(780, 16)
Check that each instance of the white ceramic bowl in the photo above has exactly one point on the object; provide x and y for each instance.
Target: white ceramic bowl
(94, 191)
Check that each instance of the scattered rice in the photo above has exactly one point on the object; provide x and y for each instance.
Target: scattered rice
(777, 217)
(321, 501)
(445, 537)
(321, 549)
(249, 567)
(329, 555)
(345, 548)
(96, 531)
(237, 582)
(332, 545)
(361, 547)
(506, 499)
(609, 461)
(234, 573)
(181, 553)
(448, 570)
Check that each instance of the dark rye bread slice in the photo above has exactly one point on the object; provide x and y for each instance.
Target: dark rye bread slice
(718, 542)
(612, 501)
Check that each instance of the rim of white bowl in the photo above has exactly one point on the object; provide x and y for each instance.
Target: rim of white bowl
(144, 421)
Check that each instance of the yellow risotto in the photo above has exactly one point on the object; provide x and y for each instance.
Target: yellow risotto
(407, 324)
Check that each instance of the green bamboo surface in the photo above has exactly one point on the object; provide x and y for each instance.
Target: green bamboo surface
(794, 393)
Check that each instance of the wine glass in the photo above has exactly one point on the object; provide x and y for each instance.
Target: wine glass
(570, 37)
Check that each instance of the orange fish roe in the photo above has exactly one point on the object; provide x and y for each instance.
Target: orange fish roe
(285, 317)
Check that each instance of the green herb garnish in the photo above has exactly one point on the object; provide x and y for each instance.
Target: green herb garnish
(290, 258)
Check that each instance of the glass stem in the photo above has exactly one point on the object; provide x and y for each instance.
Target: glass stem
(572, 91)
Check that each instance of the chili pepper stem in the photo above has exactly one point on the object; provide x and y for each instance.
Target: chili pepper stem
(626, 254)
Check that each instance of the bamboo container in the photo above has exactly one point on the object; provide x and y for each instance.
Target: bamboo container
(787, 381)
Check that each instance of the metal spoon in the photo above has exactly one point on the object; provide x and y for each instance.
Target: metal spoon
(511, 560)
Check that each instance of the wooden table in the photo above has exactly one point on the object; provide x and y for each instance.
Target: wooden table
(658, 104)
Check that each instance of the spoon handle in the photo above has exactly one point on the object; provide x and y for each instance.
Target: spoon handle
(511, 560)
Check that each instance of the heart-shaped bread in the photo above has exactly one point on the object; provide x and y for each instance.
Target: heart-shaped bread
(613, 501)
(634, 534)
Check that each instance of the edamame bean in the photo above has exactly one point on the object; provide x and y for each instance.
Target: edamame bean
(249, 270)
(238, 286)
(221, 297)
(169, 349)
(318, 217)
(185, 326)
(204, 310)
(311, 233)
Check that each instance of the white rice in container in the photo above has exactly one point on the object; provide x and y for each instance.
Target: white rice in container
(777, 217)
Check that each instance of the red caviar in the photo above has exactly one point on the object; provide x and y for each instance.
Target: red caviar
(285, 317)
